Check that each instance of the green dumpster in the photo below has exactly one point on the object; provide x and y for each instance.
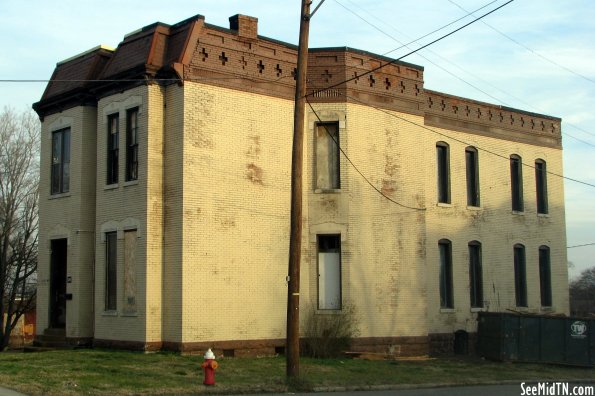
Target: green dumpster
(536, 338)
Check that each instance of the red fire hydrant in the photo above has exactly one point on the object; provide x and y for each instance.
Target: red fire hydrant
(209, 366)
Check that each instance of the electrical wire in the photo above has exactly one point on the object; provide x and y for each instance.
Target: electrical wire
(257, 80)
(527, 48)
(355, 167)
(425, 35)
(465, 71)
(584, 244)
(409, 53)
(466, 143)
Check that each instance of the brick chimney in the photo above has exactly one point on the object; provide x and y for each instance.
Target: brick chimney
(245, 25)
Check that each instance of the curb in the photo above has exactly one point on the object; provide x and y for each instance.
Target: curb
(437, 385)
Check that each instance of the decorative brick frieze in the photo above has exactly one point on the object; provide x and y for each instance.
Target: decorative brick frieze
(453, 112)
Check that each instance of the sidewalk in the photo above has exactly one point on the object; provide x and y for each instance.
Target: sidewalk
(9, 392)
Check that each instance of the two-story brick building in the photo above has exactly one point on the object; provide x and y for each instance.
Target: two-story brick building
(165, 183)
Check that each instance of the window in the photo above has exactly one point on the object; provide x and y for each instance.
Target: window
(446, 292)
(132, 144)
(60, 161)
(475, 275)
(111, 271)
(472, 176)
(113, 137)
(329, 272)
(442, 160)
(545, 276)
(520, 276)
(327, 156)
(516, 183)
(541, 186)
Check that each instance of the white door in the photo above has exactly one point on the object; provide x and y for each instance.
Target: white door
(329, 280)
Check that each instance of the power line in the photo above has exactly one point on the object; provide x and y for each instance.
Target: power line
(411, 52)
(529, 49)
(353, 165)
(257, 80)
(452, 63)
(419, 38)
(465, 143)
(585, 244)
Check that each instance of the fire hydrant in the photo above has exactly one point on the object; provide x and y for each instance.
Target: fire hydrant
(209, 366)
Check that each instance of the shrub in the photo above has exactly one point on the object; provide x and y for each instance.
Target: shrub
(326, 335)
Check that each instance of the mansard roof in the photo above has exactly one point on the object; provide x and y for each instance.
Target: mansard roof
(240, 59)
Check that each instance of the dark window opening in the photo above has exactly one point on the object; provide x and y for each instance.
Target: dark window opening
(113, 136)
(446, 291)
(475, 275)
(60, 177)
(443, 172)
(327, 156)
(472, 165)
(111, 271)
(516, 183)
(545, 276)
(520, 276)
(132, 144)
(541, 186)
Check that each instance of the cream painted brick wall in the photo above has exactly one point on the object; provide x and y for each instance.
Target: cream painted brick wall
(173, 174)
(236, 182)
(211, 207)
(495, 226)
(70, 215)
(120, 207)
(382, 248)
(156, 101)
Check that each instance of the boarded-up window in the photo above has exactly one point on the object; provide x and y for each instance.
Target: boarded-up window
(130, 271)
(327, 156)
(329, 272)
(111, 271)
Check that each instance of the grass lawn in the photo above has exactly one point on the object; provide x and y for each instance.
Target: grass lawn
(96, 371)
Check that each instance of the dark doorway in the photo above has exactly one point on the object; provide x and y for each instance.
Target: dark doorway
(58, 284)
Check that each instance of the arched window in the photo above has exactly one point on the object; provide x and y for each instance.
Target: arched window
(443, 172)
(475, 275)
(541, 186)
(472, 166)
(520, 276)
(446, 291)
(545, 276)
(516, 182)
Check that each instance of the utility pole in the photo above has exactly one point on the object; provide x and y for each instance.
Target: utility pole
(292, 349)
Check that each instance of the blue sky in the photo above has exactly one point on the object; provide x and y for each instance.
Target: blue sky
(481, 63)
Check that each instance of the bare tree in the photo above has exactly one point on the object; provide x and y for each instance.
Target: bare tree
(582, 293)
(19, 181)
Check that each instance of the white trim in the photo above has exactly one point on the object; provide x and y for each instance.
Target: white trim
(328, 229)
(61, 122)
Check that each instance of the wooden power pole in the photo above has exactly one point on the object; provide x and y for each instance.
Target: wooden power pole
(295, 243)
